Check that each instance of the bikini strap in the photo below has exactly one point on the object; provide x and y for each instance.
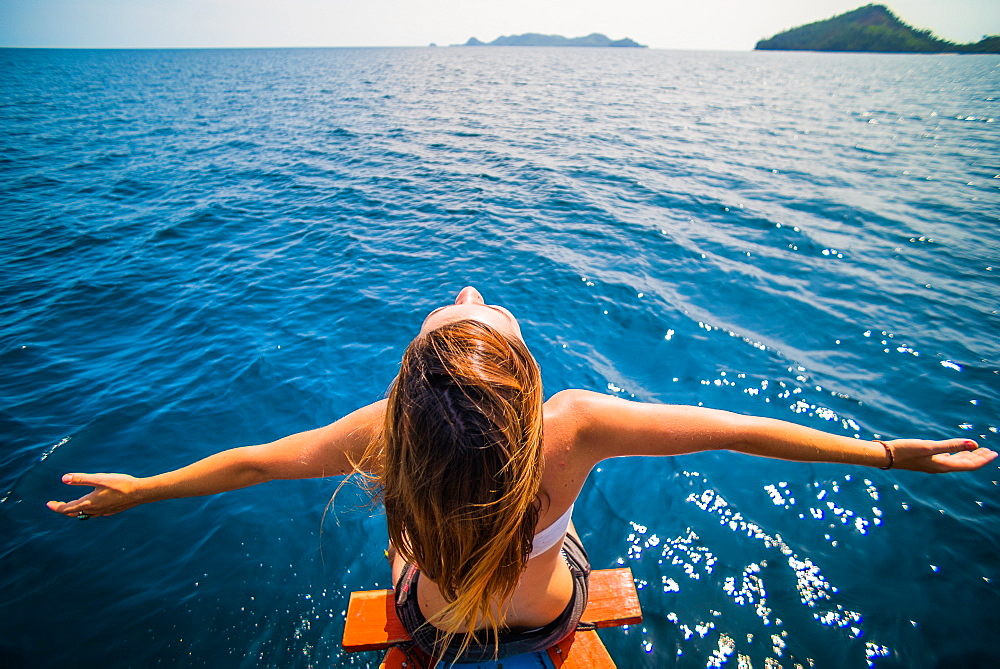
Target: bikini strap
(552, 535)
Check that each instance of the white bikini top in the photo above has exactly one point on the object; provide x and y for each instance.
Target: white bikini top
(551, 535)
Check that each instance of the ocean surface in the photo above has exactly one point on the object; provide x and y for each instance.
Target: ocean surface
(207, 249)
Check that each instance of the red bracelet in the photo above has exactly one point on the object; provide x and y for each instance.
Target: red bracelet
(888, 451)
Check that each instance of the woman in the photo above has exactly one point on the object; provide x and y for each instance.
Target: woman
(479, 477)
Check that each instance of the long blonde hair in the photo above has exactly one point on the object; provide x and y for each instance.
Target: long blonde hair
(460, 469)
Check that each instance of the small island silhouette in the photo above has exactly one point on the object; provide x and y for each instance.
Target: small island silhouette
(870, 28)
(537, 39)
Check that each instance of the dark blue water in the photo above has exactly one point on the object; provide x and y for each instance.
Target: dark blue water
(205, 249)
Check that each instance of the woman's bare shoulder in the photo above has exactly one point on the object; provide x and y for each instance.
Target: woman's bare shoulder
(571, 403)
(573, 411)
(563, 414)
(566, 465)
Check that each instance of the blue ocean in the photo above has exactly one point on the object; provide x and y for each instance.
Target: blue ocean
(205, 249)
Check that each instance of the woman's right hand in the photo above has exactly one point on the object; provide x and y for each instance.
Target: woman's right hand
(112, 493)
(939, 457)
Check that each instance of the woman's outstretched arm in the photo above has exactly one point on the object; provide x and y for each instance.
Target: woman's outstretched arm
(325, 451)
(612, 427)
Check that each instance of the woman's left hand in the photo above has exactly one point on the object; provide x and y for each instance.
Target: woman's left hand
(112, 493)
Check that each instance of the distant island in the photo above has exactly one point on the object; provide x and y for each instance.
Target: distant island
(870, 28)
(536, 39)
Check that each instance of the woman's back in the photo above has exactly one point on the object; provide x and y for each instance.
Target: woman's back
(546, 586)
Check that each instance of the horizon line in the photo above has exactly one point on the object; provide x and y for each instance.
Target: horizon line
(367, 46)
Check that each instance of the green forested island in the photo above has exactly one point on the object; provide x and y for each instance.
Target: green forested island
(536, 39)
(870, 28)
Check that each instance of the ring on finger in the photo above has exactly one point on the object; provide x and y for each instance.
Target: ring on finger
(84, 516)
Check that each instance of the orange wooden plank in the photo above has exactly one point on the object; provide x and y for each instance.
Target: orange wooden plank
(393, 659)
(371, 622)
(581, 650)
(613, 600)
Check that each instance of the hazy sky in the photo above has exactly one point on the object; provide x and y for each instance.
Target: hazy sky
(664, 24)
